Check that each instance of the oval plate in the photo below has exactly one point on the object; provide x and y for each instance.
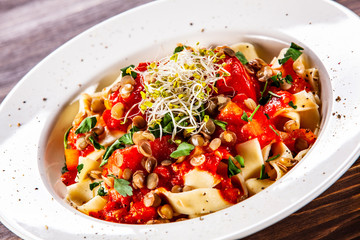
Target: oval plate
(30, 178)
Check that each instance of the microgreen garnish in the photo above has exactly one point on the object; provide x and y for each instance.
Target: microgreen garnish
(241, 57)
(94, 185)
(221, 124)
(271, 127)
(232, 168)
(293, 52)
(291, 104)
(253, 113)
(273, 158)
(183, 149)
(66, 135)
(86, 125)
(80, 167)
(263, 174)
(122, 186)
(125, 139)
(274, 94)
(128, 71)
(180, 86)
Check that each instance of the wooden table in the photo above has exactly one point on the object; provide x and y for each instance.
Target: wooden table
(32, 29)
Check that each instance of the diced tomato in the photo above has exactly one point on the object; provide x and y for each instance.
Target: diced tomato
(211, 162)
(114, 124)
(290, 138)
(72, 158)
(139, 213)
(239, 80)
(162, 148)
(299, 84)
(228, 192)
(231, 113)
(275, 103)
(68, 178)
(126, 158)
(116, 197)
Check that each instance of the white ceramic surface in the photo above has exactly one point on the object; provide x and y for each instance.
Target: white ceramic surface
(31, 154)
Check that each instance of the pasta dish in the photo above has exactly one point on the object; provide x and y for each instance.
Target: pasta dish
(190, 134)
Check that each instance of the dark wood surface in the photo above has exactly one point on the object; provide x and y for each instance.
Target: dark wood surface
(32, 29)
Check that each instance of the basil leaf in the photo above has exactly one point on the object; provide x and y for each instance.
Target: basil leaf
(220, 124)
(94, 185)
(232, 168)
(183, 149)
(86, 125)
(291, 104)
(80, 167)
(273, 158)
(293, 52)
(95, 143)
(101, 191)
(179, 49)
(124, 71)
(241, 57)
(263, 174)
(240, 160)
(66, 135)
(122, 186)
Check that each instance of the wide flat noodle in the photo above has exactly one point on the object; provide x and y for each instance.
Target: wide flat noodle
(200, 179)
(95, 204)
(255, 185)
(90, 163)
(253, 159)
(80, 193)
(308, 110)
(247, 49)
(196, 202)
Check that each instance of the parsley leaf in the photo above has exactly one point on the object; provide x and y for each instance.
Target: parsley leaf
(64, 169)
(288, 79)
(127, 137)
(241, 57)
(220, 124)
(244, 117)
(263, 174)
(101, 191)
(291, 104)
(232, 168)
(95, 143)
(66, 135)
(86, 125)
(127, 71)
(293, 52)
(80, 167)
(94, 185)
(183, 149)
(122, 186)
(267, 115)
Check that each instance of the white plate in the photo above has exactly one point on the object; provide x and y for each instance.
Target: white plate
(31, 155)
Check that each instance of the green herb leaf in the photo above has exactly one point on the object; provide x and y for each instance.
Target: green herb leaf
(95, 143)
(86, 125)
(124, 71)
(232, 168)
(179, 49)
(263, 174)
(240, 160)
(109, 151)
(293, 52)
(80, 167)
(101, 191)
(220, 124)
(252, 115)
(122, 186)
(273, 158)
(127, 137)
(289, 79)
(241, 57)
(64, 169)
(291, 104)
(94, 185)
(244, 117)
(183, 149)
(265, 86)
(66, 135)
(267, 116)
